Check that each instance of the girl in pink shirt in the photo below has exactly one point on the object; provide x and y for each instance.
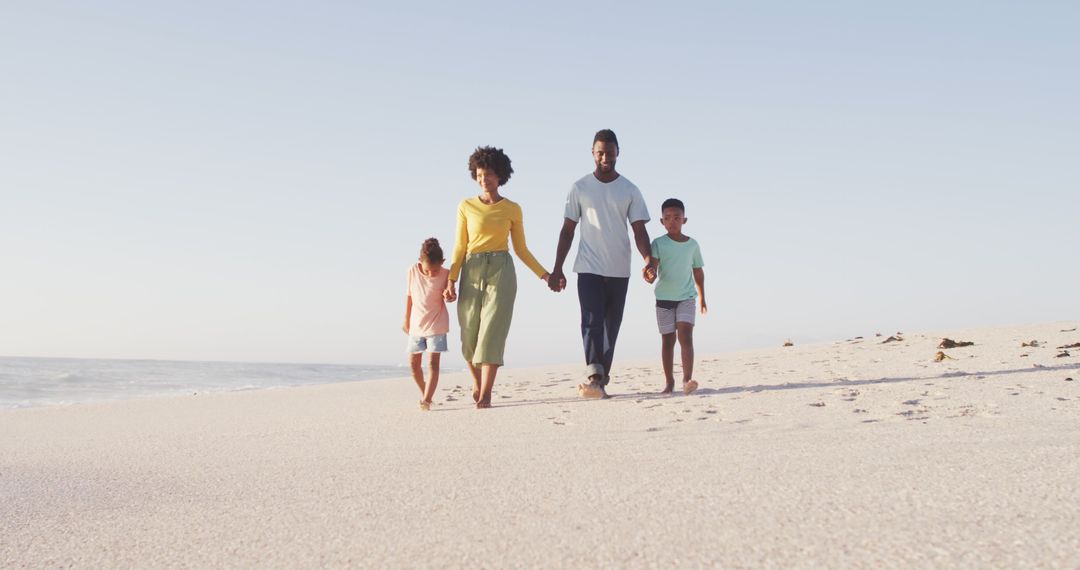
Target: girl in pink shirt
(426, 318)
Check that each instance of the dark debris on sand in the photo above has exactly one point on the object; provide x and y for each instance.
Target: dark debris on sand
(950, 343)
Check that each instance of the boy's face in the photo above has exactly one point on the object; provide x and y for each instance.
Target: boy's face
(673, 220)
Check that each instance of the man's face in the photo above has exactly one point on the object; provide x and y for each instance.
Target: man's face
(487, 179)
(605, 153)
(673, 220)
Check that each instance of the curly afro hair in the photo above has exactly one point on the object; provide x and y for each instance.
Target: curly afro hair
(491, 158)
(431, 251)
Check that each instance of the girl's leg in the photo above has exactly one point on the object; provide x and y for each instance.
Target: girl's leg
(417, 371)
(433, 380)
(667, 356)
(488, 372)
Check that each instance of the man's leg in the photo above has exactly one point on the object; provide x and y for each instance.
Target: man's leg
(591, 298)
(615, 301)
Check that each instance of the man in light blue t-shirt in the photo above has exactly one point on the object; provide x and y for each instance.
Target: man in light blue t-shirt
(602, 203)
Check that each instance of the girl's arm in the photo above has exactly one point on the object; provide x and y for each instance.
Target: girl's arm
(408, 313)
(699, 282)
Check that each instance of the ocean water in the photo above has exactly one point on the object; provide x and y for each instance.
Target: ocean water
(29, 382)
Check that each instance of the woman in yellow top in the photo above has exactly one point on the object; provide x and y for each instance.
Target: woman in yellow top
(482, 260)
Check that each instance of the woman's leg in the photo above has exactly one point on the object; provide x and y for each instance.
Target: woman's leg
(488, 372)
(496, 314)
(470, 301)
(474, 370)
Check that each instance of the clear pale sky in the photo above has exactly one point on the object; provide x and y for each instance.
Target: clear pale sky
(251, 180)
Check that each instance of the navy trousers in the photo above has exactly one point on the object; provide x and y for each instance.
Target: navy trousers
(602, 301)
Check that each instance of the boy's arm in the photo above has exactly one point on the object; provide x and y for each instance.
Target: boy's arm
(408, 313)
(556, 279)
(699, 281)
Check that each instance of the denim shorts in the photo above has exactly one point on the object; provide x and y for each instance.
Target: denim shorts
(433, 343)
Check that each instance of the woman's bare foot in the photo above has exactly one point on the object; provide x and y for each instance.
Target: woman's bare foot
(483, 403)
(669, 388)
(425, 406)
(689, 386)
(476, 396)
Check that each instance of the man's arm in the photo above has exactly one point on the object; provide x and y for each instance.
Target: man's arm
(408, 313)
(641, 239)
(556, 280)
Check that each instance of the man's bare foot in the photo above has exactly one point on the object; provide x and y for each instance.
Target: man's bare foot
(425, 406)
(591, 389)
(689, 386)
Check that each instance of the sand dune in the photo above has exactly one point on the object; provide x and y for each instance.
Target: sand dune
(856, 453)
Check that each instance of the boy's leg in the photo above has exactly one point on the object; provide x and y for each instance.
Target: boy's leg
(685, 332)
(417, 370)
(614, 303)
(667, 356)
(591, 299)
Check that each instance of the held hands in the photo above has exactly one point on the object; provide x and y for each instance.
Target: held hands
(649, 272)
(556, 281)
(450, 293)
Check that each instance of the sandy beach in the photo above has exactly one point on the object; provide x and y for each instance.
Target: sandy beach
(853, 453)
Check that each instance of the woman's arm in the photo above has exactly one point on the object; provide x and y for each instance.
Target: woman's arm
(517, 236)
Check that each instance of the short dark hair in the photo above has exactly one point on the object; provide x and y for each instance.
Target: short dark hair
(672, 203)
(431, 251)
(607, 136)
(491, 158)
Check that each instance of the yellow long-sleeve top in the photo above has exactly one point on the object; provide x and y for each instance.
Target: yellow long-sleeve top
(486, 227)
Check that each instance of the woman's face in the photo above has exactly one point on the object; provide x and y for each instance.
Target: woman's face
(487, 179)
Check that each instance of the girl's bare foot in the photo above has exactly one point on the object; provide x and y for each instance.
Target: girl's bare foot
(425, 406)
(483, 404)
(476, 396)
(689, 386)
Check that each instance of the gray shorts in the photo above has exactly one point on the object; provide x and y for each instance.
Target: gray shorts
(682, 313)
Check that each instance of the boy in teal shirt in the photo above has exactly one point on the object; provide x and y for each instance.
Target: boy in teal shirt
(681, 279)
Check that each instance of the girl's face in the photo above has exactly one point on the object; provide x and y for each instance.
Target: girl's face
(430, 266)
(487, 179)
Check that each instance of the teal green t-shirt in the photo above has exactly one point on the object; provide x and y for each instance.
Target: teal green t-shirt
(677, 264)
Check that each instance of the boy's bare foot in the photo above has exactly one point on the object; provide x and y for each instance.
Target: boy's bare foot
(592, 389)
(425, 406)
(689, 386)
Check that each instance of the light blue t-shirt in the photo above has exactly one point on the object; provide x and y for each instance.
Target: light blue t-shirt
(677, 264)
(602, 211)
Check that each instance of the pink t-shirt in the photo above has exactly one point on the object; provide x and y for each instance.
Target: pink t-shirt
(429, 315)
